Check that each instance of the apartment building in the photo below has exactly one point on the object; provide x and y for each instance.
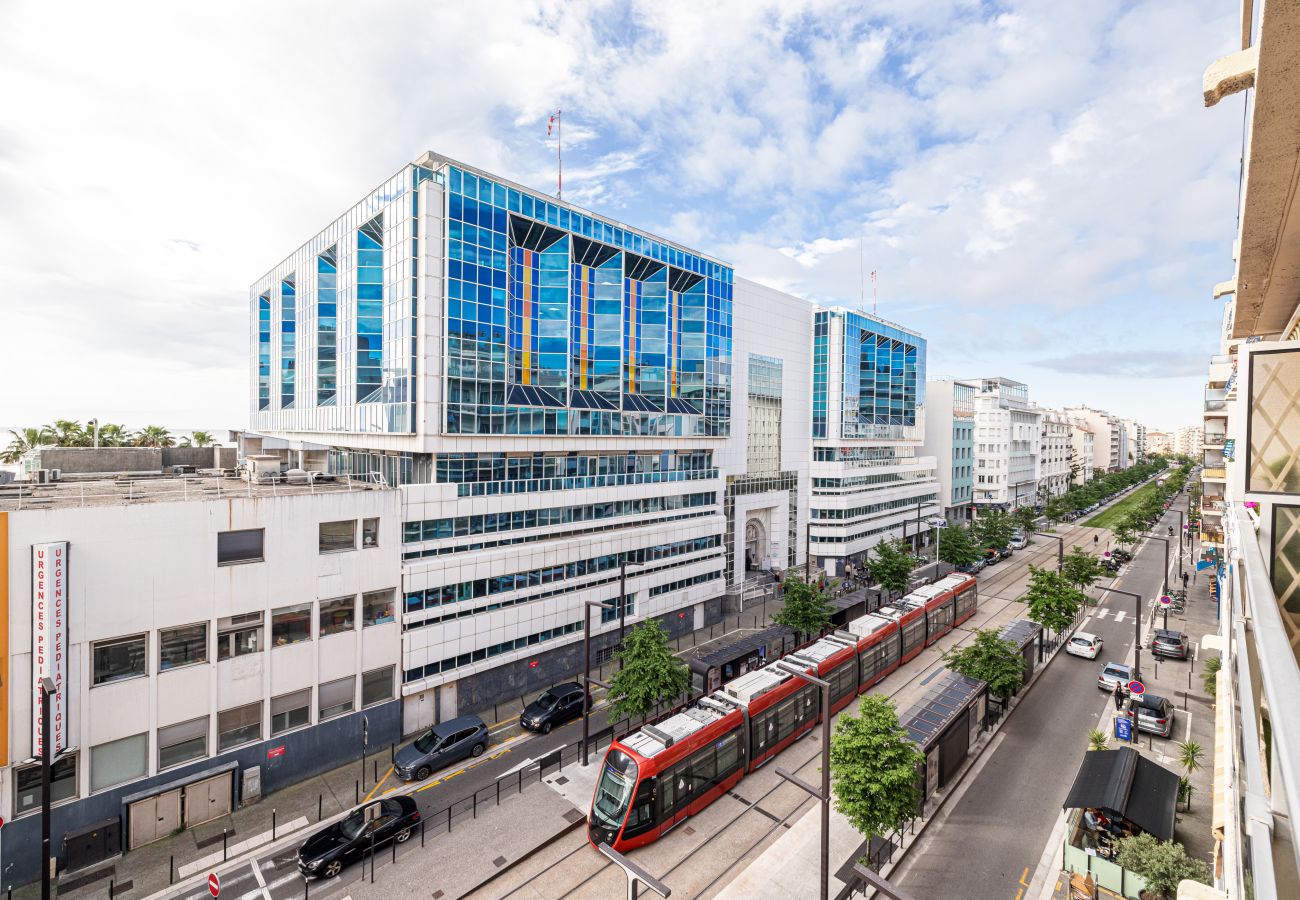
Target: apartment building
(1109, 437)
(1008, 444)
(1189, 439)
(1056, 454)
(211, 638)
(950, 439)
(1081, 450)
(1250, 516)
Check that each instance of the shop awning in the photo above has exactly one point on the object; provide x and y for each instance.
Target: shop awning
(1127, 783)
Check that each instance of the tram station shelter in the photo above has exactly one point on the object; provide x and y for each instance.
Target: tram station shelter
(945, 724)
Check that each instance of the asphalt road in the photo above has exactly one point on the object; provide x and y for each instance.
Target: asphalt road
(988, 841)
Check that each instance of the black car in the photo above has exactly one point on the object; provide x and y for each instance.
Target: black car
(1170, 644)
(562, 703)
(370, 826)
(992, 557)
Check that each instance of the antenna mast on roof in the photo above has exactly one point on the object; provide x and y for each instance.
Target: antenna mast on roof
(555, 124)
(873, 292)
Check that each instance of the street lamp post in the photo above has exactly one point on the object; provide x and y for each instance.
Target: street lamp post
(824, 795)
(622, 603)
(1164, 575)
(48, 690)
(1137, 627)
(636, 875)
(807, 552)
(587, 680)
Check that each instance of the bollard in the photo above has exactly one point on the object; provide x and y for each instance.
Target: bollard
(306, 888)
(320, 806)
(224, 856)
(376, 778)
(111, 889)
(475, 805)
(422, 834)
(372, 858)
(449, 820)
(357, 785)
(273, 823)
(521, 780)
(394, 843)
(392, 752)
(171, 870)
(498, 792)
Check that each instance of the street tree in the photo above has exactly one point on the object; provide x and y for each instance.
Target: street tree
(956, 547)
(650, 673)
(23, 440)
(1081, 569)
(1124, 532)
(154, 436)
(892, 566)
(1025, 519)
(875, 768)
(1161, 864)
(994, 528)
(992, 660)
(807, 608)
(1057, 509)
(1052, 600)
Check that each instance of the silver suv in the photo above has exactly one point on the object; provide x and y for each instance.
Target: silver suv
(442, 745)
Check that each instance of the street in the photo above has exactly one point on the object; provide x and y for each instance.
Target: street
(987, 841)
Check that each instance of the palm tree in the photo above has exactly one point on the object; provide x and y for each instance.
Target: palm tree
(203, 439)
(112, 435)
(153, 436)
(69, 433)
(23, 441)
(1097, 740)
(1189, 755)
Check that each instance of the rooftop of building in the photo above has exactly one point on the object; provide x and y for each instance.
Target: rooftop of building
(121, 489)
(872, 317)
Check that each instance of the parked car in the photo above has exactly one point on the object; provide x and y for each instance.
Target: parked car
(373, 825)
(1169, 644)
(1113, 672)
(973, 567)
(441, 745)
(1017, 543)
(1155, 715)
(992, 557)
(1004, 552)
(1084, 644)
(560, 704)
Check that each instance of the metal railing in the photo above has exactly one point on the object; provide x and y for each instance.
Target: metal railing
(168, 488)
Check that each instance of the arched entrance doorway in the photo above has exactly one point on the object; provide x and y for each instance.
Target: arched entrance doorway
(757, 549)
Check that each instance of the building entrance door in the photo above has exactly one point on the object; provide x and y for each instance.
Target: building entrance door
(208, 799)
(154, 818)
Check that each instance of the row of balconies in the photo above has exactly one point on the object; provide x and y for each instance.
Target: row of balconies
(1216, 399)
(1215, 474)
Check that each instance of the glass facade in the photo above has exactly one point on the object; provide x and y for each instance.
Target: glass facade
(327, 327)
(370, 309)
(561, 323)
(264, 351)
(288, 302)
(882, 369)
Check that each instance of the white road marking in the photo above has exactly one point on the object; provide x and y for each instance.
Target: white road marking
(257, 873)
(1102, 613)
(1119, 615)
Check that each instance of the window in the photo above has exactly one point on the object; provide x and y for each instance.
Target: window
(27, 784)
(376, 686)
(377, 607)
(118, 762)
(235, 547)
(337, 615)
(240, 725)
(182, 742)
(182, 646)
(118, 659)
(239, 635)
(290, 711)
(290, 624)
(336, 536)
(369, 533)
(336, 697)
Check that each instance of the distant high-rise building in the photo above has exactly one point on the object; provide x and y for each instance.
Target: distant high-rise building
(950, 439)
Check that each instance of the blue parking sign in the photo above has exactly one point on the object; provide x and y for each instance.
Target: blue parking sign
(1123, 728)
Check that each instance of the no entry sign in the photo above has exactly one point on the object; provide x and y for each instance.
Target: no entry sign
(1137, 688)
(214, 884)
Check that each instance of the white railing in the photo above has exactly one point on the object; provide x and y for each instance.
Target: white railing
(26, 496)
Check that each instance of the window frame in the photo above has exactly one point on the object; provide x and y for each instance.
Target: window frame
(388, 672)
(291, 726)
(222, 748)
(332, 605)
(96, 681)
(320, 536)
(162, 640)
(161, 748)
(243, 560)
(55, 781)
(232, 629)
(370, 526)
(335, 710)
(390, 599)
(144, 762)
(307, 610)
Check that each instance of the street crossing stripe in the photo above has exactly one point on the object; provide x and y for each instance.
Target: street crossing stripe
(1102, 613)
(1119, 615)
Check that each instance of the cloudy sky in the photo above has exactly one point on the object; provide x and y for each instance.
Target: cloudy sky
(1037, 184)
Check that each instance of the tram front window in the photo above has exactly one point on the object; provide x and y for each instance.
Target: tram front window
(613, 795)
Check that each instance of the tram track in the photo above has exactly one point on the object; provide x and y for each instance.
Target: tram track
(595, 867)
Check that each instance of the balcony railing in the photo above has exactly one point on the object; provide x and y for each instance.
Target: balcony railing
(1214, 438)
(1220, 474)
(1211, 537)
(1215, 399)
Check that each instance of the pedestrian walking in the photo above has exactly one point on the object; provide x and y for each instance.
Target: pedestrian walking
(1095, 540)
(1118, 695)
(1185, 581)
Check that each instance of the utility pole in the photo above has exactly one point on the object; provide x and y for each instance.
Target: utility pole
(587, 680)
(48, 690)
(824, 795)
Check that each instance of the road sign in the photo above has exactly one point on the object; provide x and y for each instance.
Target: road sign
(1165, 600)
(1106, 554)
(1137, 688)
(1123, 728)
(214, 884)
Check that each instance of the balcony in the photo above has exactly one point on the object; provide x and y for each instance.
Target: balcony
(1212, 537)
(1214, 474)
(1221, 369)
(1213, 440)
(1215, 399)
